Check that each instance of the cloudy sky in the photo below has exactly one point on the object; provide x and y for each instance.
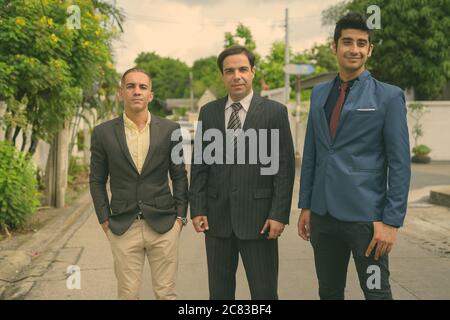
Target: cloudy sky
(191, 29)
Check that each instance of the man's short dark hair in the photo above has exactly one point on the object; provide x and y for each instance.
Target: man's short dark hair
(352, 20)
(135, 69)
(236, 49)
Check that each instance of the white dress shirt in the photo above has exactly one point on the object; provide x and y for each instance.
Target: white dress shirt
(242, 113)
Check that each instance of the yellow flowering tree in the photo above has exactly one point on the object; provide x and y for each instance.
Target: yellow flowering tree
(54, 69)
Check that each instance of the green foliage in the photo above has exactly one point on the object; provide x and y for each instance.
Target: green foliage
(19, 197)
(323, 58)
(271, 66)
(242, 32)
(170, 76)
(170, 79)
(412, 46)
(80, 140)
(207, 75)
(331, 15)
(421, 150)
(76, 169)
(50, 64)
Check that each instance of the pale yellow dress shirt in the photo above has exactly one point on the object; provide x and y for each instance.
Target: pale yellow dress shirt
(138, 141)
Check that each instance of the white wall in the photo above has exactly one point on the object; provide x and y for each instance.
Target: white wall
(435, 124)
(436, 129)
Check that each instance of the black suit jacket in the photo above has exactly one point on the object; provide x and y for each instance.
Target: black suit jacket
(148, 192)
(237, 197)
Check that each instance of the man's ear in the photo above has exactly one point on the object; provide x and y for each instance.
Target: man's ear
(334, 47)
(151, 97)
(370, 51)
(121, 93)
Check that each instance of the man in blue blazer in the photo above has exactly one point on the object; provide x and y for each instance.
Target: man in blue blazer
(356, 169)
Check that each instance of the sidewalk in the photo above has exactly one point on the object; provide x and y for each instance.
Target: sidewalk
(420, 261)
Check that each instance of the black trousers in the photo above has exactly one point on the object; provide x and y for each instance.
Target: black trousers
(260, 258)
(333, 241)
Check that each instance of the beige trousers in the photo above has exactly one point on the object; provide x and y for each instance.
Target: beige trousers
(129, 251)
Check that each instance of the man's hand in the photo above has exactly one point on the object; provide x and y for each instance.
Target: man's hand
(180, 222)
(105, 226)
(383, 238)
(275, 228)
(200, 223)
(304, 226)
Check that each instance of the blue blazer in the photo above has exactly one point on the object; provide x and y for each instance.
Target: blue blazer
(363, 174)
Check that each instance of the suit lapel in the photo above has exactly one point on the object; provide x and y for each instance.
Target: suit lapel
(220, 114)
(155, 139)
(119, 130)
(253, 112)
(349, 104)
(321, 101)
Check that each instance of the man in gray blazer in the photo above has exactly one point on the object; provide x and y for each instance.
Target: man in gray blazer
(143, 218)
(240, 204)
(356, 169)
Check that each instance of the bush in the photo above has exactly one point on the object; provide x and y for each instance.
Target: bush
(19, 197)
(76, 169)
(421, 150)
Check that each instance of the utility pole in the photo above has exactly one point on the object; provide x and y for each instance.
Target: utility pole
(191, 85)
(286, 57)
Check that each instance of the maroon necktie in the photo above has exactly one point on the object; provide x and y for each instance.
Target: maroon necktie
(334, 122)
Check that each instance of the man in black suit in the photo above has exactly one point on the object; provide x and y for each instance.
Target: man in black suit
(242, 206)
(143, 218)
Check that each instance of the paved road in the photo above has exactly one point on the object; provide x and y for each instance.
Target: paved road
(420, 261)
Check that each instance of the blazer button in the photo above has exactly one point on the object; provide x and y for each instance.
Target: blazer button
(331, 151)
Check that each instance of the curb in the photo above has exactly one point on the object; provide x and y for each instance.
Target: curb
(17, 265)
(440, 196)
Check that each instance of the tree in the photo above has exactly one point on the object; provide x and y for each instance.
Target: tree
(411, 48)
(170, 78)
(271, 67)
(331, 15)
(323, 58)
(207, 75)
(50, 66)
(242, 32)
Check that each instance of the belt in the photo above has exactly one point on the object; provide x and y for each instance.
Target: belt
(139, 215)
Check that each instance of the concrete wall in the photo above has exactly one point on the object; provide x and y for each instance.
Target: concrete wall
(436, 129)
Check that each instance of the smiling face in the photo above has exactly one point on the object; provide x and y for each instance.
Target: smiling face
(352, 50)
(237, 76)
(136, 92)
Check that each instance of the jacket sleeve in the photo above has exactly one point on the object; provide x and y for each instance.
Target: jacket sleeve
(199, 173)
(98, 177)
(283, 181)
(178, 175)
(308, 164)
(396, 140)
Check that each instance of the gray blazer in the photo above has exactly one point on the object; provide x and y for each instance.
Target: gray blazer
(131, 192)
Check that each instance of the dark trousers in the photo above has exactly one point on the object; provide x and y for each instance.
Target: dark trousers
(333, 241)
(260, 258)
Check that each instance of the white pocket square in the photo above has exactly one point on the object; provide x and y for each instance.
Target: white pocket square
(366, 109)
